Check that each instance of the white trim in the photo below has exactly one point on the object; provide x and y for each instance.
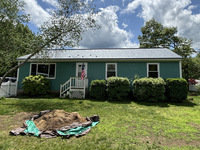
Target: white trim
(86, 67)
(107, 60)
(180, 69)
(43, 64)
(158, 67)
(107, 70)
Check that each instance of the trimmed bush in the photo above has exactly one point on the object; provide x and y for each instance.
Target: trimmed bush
(35, 85)
(176, 89)
(98, 89)
(149, 89)
(118, 88)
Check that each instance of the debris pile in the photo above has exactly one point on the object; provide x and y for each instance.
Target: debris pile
(58, 118)
(53, 123)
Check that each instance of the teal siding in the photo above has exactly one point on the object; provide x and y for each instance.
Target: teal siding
(130, 69)
(64, 70)
(96, 70)
(169, 70)
(23, 72)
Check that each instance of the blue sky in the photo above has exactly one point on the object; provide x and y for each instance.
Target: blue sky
(121, 20)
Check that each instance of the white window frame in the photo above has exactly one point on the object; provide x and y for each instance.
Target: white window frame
(80, 63)
(158, 67)
(180, 68)
(107, 70)
(48, 69)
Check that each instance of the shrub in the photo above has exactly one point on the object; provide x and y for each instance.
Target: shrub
(149, 89)
(98, 89)
(118, 88)
(176, 89)
(35, 85)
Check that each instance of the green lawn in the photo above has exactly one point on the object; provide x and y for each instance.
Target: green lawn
(123, 125)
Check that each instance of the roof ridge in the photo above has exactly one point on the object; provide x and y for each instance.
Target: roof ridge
(110, 48)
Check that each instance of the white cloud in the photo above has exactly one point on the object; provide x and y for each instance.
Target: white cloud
(38, 14)
(170, 13)
(109, 35)
(124, 25)
(123, 1)
(51, 2)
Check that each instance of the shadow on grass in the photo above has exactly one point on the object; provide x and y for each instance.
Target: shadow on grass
(111, 101)
(185, 103)
(34, 105)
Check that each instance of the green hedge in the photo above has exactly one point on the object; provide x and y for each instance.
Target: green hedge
(176, 89)
(98, 89)
(118, 88)
(35, 85)
(149, 89)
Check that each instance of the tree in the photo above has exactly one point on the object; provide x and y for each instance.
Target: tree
(191, 68)
(70, 19)
(198, 54)
(154, 34)
(13, 44)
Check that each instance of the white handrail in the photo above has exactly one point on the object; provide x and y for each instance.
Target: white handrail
(65, 87)
(73, 83)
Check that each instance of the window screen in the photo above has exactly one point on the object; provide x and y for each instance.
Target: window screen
(153, 70)
(111, 70)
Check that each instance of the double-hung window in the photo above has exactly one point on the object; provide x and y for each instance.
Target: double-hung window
(153, 70)
(47, 70)
(111, 70)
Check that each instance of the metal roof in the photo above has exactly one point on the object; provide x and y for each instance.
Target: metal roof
(112, 53)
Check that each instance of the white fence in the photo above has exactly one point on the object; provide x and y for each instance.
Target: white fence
(192, 87)
(8, 89)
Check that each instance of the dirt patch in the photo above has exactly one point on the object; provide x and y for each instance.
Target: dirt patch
(8, 122)
(57, 119)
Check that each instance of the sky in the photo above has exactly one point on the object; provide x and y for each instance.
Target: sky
(121, 20)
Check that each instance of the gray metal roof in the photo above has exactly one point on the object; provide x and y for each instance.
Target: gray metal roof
(111, 54)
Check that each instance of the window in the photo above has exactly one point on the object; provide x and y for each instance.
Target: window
(47, 70)
(153, 70)
(111, 70)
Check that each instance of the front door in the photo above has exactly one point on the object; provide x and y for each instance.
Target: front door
(80, 83)
(79, 69)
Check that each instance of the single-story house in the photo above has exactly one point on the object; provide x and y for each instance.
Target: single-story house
(64, 67)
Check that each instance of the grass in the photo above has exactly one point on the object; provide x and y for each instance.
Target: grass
(123, 125)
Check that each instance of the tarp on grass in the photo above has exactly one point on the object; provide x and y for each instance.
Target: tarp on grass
(73, 129)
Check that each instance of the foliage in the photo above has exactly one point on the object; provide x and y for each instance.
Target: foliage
(183, 47)
(149, 89)
(118, 88)
(15, 41)
(134, 125)
(98, 89)
(69, 20)
(35, 85)
(190, 68)
(154, 34)
(176, 89)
